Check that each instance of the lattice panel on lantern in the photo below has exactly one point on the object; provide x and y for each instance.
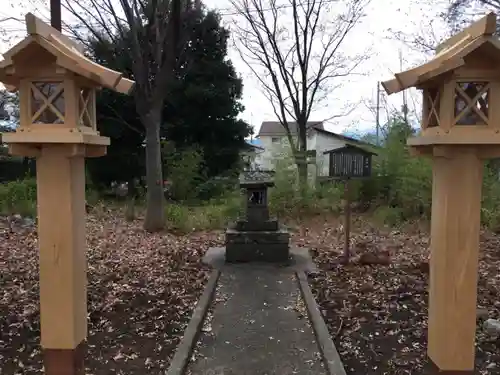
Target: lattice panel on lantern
(47, 103)
(432, 107)
(472, 103)
(86, 106)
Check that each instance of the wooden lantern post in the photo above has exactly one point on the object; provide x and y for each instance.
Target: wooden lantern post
(459, 131)
(57, 85)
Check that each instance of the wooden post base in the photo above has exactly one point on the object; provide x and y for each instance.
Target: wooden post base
(62, 260)
(455, 225)
(437, 371)
(64, 361)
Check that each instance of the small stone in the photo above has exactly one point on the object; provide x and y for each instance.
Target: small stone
(367, 287)
(29, 222)
(492, 327)
(381, 258)
(482, 313)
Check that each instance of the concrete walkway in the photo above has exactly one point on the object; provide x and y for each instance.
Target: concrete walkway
(259, 326)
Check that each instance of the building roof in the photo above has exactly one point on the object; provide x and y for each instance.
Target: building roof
(351, 147)
(451, 55)
(251, 146)
(275, 128)
(346, 139)
(43, 39)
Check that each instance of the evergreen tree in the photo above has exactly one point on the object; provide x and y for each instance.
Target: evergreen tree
(201, 111)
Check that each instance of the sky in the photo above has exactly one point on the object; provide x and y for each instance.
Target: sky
(409, 16)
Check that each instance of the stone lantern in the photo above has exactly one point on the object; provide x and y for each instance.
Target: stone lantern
(256, 194)
(257, 237)
(57, 86)
(460, 129)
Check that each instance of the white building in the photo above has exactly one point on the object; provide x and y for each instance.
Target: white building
(252, 156)
(274, 140)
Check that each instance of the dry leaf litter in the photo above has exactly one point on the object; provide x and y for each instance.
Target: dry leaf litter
(142, 289)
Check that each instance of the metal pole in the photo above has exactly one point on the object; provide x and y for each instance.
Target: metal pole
(378, 113)
(405, 104)
(55, 14)
(347, 220)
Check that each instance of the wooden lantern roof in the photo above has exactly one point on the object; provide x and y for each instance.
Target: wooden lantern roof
(68, 55)
(450, 55)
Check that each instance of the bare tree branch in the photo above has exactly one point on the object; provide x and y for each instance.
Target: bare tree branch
(295, 51)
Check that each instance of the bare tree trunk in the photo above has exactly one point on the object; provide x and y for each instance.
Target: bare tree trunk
(302, 171)
(301, 160)
(155, 213)
(152, 31)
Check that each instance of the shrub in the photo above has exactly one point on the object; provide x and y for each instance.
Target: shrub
(18, 197)
(214, 214)
(184, 170)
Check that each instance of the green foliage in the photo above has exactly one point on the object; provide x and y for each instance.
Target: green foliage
(216, 187)
(118, 120)
(18, 197)
(287, 199)
(184, 170)
(205, 100)
(201, 107)
(391, 216)
(399, 180)
(215, 214)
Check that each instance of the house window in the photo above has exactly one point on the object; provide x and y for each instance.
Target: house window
(275, 140)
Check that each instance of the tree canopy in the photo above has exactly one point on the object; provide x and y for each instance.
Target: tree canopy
(201, 112)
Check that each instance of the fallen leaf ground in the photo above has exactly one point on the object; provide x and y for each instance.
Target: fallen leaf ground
(142, 290)
(377, 315)
(143, 287)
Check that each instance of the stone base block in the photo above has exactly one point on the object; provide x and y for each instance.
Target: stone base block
(270, 252)
(257, 237)
(266, 226)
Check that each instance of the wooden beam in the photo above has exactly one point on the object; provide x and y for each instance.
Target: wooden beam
(485, 26)
(28, 150)
(110, 78)
(411, 77)
(68, 61)
(125, 86)
(63, 277)
(442, 69)
(36, 26)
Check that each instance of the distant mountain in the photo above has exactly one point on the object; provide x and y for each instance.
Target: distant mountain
(358, 134)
